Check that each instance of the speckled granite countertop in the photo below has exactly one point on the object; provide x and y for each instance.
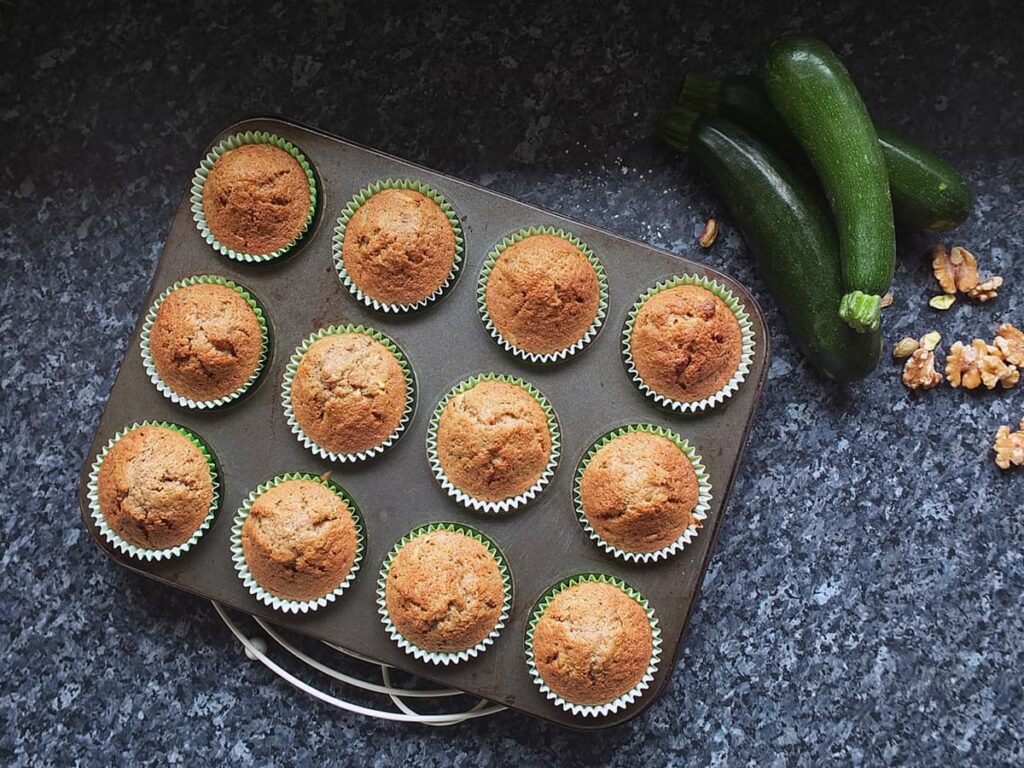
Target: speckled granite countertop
(865, 601)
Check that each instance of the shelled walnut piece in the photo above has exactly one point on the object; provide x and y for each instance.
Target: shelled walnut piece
(980, 363)
(957, 272)
(1010, 343)
(919, 372)
(1009, 446)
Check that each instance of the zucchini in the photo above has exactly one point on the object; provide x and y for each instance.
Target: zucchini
(793, 240)
(814, 95)
(927, 193)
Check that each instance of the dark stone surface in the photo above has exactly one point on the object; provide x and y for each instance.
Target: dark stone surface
(865, 601)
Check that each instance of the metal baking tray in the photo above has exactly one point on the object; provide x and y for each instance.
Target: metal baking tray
(591, 393)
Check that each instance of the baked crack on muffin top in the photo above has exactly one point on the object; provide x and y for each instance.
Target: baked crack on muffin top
(493, 440)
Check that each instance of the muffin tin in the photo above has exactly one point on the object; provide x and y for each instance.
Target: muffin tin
(543, 542)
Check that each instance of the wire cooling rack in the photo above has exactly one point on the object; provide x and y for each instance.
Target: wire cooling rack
(257, 648)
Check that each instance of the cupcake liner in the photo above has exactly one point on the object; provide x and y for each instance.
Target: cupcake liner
(443, 657)
(338, 242)
(746, 354)
(147, 357)
(700, 512)
(513, 502)
(203, 171)
(238, 553)
(623, 701)
(485, 274)
(126, 547)
(289, 375)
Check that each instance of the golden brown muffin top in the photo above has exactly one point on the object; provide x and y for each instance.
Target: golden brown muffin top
(493, 440)
(155, 488)
(593, 643)
(349, 392)
(206, 341)
(543, 294)
(399, 246)
(686, 343)
(256, 198)
(444, 591)
(639, 491)
(299, 540)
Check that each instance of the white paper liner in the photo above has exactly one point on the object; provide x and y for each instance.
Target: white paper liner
(443, 657)
(634, 693)
(699, 513)
(238, 553)
(338, 244)
(203, 171)
(485, 316)
(513, 502)
(147, 357)
(126, 547)
(746, 353)
(289, 376)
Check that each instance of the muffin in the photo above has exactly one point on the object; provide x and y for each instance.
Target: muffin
(349, 393)
(206, 341)
(399, 247)
(155, 487)
(638, 492)
(543, 294)
(256, 199)
(444, 591)
(686, 343)
(493, 440)
(593, 643)
(299, 540)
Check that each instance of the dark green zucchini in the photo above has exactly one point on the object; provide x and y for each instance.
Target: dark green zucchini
(814, 95)
(793, 241)
(927, 193)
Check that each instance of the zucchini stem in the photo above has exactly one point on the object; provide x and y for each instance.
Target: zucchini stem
(697, 96)
(861, 311)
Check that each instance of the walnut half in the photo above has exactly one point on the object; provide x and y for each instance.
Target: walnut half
(1009, 447)
(956, 271)
(919, 372)
(980, 363)
(1010, 343)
